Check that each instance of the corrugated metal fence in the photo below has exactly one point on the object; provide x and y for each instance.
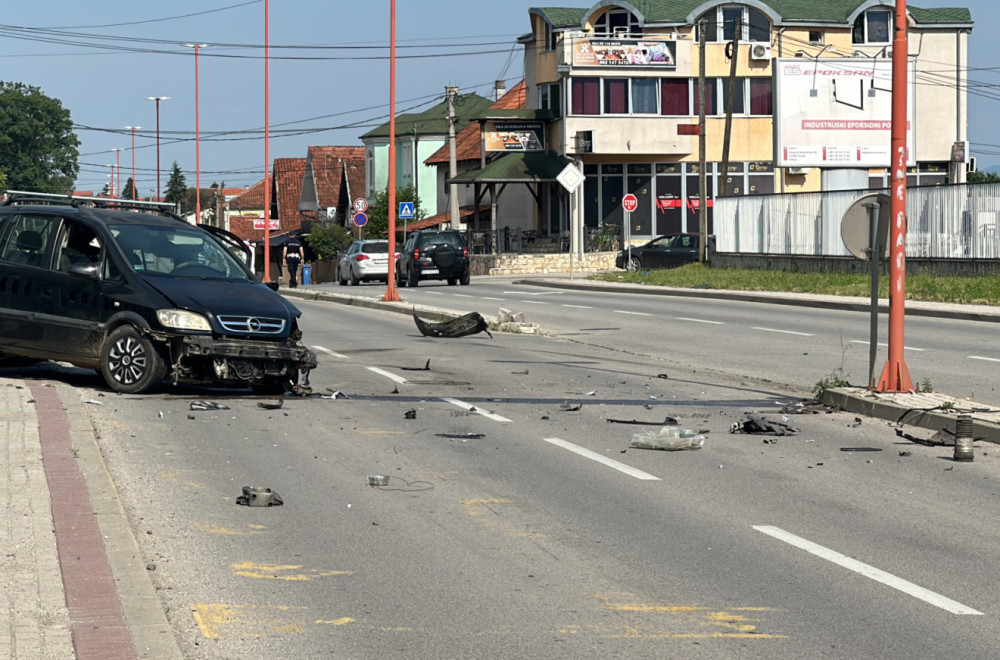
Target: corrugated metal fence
(945, 222)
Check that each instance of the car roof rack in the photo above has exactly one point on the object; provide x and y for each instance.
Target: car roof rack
(20, 197)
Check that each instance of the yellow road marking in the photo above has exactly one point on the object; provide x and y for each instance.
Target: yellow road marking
(213, 618)
(481, 508)
(281, 572)
(732, 625)
(343, 621)
(211, 528)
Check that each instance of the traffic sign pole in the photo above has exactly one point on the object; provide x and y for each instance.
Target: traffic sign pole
(629, 203)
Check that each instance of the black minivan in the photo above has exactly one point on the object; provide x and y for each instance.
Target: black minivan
(139, 294)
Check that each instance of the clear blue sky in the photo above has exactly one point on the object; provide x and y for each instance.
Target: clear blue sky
(329, 73)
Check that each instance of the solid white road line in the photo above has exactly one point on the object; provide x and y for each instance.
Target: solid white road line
(535, 293)
(323, 349)
(887, 579)
(866, 343)
(683, 318)
(979, 357)
(470, 407)
(532, 302)
(586, 453)
(390, 376)
(462, 295)
(622, 311)
(500, 299)
(578, 306)
(787, 332)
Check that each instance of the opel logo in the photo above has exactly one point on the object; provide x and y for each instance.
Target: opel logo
(253, 324)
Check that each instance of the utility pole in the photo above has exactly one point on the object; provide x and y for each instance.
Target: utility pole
(702, 165)
(724, 180)
(451, 93)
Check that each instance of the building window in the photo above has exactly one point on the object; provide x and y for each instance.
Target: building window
(711, 87)
(738, 96)
(872, 27)
(761, 95)
(617, 23)
(586, 96)
(550, 37)
(815, 37)
(675, 97)
(550, 98)
(644, 96)
(720, 24)
(616, 96)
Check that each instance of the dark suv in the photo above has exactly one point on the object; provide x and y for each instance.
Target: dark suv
(433, 254)
(139, 296)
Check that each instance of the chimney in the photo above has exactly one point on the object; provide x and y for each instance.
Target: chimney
(500, 88)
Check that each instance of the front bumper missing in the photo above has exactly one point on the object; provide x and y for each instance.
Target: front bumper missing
(241, 359)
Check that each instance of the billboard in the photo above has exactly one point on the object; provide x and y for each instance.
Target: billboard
(625, 52)
(515, 136)
(837, 112)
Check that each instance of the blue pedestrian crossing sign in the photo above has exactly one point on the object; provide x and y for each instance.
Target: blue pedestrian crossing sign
(406, 210)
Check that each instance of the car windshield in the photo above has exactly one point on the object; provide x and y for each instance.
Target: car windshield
(177, 252)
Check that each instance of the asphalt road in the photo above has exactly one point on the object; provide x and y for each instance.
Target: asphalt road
(513, 527)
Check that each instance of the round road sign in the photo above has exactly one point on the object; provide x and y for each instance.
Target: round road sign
(361, 205)
(360, 219)
(630, 203)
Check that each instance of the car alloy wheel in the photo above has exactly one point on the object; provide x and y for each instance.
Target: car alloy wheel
(634, 265)
(130, 362)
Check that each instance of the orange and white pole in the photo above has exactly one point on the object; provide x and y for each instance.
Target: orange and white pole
(895, 375)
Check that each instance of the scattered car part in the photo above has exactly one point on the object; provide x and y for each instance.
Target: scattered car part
(667, 421)
(668, 438)
(271, 406)
(207, 405)
(467, 324)
(756, 424)
(253, 496)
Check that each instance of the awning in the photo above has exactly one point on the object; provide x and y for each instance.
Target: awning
(517, 167)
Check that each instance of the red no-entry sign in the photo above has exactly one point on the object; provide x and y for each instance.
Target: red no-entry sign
(630, 203)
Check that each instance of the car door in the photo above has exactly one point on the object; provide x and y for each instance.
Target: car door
(70, 300)
(655, 254)
(683, 249)
(24, 255)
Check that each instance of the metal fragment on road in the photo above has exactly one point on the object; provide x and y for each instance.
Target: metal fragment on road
(462, 436)
(761, 425)
(410, 414)
(207, 405)
(253, 496)
(271, 406)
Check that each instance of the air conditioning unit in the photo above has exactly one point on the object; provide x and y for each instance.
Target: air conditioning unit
(760, 51)
(797, 170)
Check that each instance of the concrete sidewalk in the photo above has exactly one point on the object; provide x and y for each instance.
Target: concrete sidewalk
(76, 584)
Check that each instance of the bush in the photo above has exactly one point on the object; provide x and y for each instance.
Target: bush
(328, 240)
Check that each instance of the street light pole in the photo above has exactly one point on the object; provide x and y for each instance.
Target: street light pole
(391, 295)
(197, 135)
(135, 193)
(118, 169)
(157, 99)
(267, 155)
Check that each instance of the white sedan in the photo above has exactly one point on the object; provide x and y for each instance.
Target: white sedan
(364, 261)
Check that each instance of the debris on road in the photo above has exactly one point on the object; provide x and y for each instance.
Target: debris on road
(936, 440)
(667, 421)
(378, 480)
(335, 394)
(668, 438)
(94, 402)
(520, 373)
(762, 425)
(571, 407)
(253, 496)
(271, 406)
(426, 367)
(207, 405)
(860, 449)
(410, 414)
(811, 407)
(468, 324)
(462, 436)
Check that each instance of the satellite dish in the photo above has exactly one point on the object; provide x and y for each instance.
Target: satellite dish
(855, 229)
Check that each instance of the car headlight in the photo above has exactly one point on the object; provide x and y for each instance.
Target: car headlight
(182, 320)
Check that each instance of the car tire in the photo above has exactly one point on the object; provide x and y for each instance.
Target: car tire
(411, 278)
(130, 363)
(355, 280)
(342, 281)
(444, 257)
(452, 281)
(400, 280)
(634, 265)
(465, 279)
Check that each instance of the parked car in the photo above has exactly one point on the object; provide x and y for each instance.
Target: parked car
(364, 261)
(139, 297)
(663, 252)
(433, 254)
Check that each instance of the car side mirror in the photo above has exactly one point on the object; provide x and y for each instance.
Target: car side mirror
(90, 271)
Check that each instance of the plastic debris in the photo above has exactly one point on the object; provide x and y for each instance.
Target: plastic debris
(99, 403)
(462, 436)
(667, 421)
(669, 438)
(860, 449)
(207, 405)
(426, 367)
(571, 407)
(468, 324)
(378, 480)
(410, 414)
(271, 406)
(253, 496)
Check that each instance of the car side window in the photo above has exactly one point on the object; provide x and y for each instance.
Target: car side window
(78, 244)
(28, 239)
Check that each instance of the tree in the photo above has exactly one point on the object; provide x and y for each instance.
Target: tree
(982, 177)
(176, 192)
(38, 148)
(128, 192)
(378, 212)
(328, 240)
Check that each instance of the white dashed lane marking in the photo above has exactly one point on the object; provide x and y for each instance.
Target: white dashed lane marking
(603, 460)
(683, 318)
(472, 408)
(786, 332)
(926, 595)
(389, 375)
(323, 349)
